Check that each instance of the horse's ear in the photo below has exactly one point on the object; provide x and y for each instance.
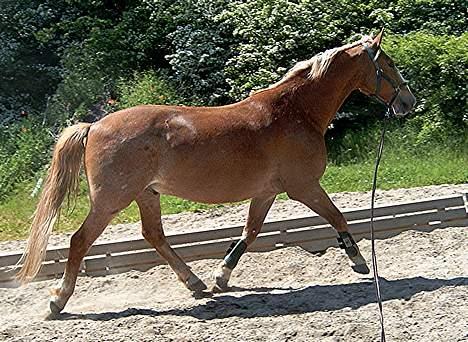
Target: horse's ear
(378, 40)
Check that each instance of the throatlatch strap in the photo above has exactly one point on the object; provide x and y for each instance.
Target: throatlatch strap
(234, 253)
(346, 242)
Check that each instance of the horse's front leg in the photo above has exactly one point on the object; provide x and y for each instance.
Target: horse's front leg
(312, 195)
(257, 212)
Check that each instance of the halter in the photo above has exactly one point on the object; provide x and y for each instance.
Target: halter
(381, 75)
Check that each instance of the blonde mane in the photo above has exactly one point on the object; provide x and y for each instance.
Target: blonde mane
(318, 65)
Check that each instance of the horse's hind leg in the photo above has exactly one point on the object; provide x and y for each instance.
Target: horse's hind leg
(257, 212)
(149, 204)
(313, 196)
(81, 241)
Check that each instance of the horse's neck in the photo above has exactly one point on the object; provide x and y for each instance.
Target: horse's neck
(319, 100)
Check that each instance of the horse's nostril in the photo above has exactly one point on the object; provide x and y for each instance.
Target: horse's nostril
(407, 107)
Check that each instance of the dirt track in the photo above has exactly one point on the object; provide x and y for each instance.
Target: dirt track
(285, 295)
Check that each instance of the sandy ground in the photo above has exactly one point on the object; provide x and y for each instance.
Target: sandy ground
(284, 295)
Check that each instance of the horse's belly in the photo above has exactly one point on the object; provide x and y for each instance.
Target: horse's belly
(216, 180)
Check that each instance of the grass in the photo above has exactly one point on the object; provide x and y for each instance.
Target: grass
(397, 170)
(15, 214)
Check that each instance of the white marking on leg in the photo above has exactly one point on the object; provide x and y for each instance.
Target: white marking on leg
(222, 275)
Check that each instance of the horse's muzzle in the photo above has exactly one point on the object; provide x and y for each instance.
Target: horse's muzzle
(404, 103)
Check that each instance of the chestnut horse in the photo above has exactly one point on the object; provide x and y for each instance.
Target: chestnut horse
(269, 143)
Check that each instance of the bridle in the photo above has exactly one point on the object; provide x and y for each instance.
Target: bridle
(380, 75)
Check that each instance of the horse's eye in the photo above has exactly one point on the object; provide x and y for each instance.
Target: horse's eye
(391, 64)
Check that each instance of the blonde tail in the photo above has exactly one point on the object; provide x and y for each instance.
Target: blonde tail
(63, 179)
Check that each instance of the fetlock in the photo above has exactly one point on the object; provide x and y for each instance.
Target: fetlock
(358, 263)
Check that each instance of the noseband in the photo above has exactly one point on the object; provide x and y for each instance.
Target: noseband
(381, 75)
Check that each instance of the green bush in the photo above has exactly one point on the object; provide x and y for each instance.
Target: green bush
(29, 68)
(145, 88)
(439, 17)
(201, 47)
(437, 69)
(273, 36)
(91, 68)
(24, 151)
(62, 61)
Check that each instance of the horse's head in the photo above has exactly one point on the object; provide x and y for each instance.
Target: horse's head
(382, 79)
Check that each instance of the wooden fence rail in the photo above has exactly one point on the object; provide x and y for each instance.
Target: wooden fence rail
(311, 233)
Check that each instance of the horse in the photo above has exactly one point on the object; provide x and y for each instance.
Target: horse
(269, 143)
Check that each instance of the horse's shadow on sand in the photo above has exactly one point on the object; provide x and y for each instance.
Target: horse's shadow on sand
(283, 301)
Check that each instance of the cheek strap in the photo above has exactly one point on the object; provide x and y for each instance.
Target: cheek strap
(234, 253)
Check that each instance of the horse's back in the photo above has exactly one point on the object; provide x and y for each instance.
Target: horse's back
(199, 153)
(205, 154)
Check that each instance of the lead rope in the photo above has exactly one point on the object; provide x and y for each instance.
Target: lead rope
(374, 258)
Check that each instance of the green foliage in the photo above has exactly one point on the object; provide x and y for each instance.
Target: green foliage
(64, 61)
(273, 36)
(29, 71)
(24, 151)
(200, 46)
(213, 51)
(437, 67)
(104, 52)
(145, 88)
(440, 17)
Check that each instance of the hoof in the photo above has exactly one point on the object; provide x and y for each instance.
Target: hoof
(202, 294)
(359, 264)
(221, 277)
(195, 285)
(361, 269)
(54, 308)
(220, 285)
(218, 289)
